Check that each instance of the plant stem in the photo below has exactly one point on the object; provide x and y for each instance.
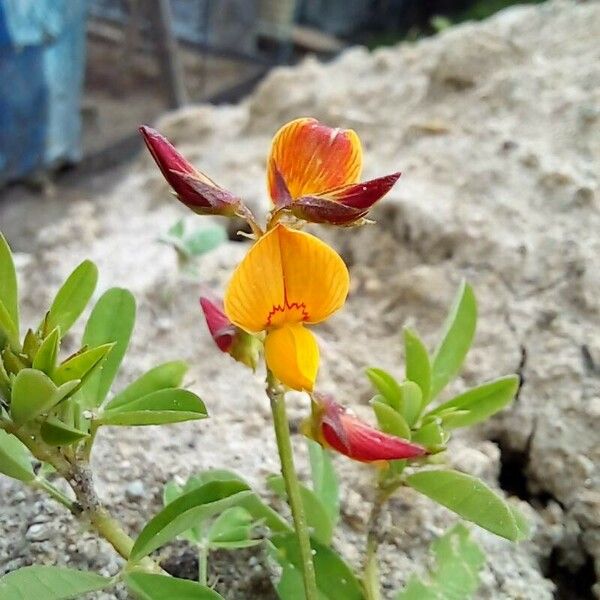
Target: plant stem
(276, 393)
(43, 484)
(371, 567)
(203, 563)
(88, 506)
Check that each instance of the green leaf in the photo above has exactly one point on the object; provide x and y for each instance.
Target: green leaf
(386, 385)
(111, 321)
(324, 480)
(459, 561)
(335, 579)
(431, 435)
(232, 529)
(165, 406)
(5, 382)
(50, 583)
(33, 392)
(204, 240)
(15, 458)
(186, 512)
(72, 298)
(418, 367)
(411, 402)
(56, 433)
(148, 586)
(81, 365)
(8, 283)
(45, 357)
(177, 229)
(31, 344)
(317, 516)
(9, 332)
(472, 499)
(389, 420)
(459, 330)
(252, 503)
(479, 403)
(167, 375)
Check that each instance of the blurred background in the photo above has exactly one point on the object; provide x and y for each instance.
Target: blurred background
(78, 76)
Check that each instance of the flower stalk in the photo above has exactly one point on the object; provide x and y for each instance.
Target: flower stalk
(276, 394)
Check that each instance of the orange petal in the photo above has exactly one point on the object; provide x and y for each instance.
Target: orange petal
(288, 276)
(312, 158)
(292, 353)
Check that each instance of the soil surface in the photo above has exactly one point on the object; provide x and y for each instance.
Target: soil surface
(496, 127)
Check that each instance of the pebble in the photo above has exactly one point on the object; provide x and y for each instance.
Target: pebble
(135, 490)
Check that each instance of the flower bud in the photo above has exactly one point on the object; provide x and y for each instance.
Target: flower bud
(193, 188)
(345, 205)
(335, 427)
(242, 346)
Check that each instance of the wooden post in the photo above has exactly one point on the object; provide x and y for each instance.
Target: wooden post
(172, 78)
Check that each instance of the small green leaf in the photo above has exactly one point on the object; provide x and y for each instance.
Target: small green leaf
(8, 283)
(177, 229)
(186, 512)
(72, 298)
(418, 367)
(9, 332)
(459, 561)
(5, 383)
(15, 458)
(45, 357)
(479, 403)
(31, 344)
(389, 420)
(148, 586)
(171, 491)
(431, 435)
(56, 433)
(111, 321)
(165, 406)
(50, 583)
(457, 337)
(167, 375)
(335, 579)
(232, 529)
(386, 385)
(472, 499)
(411, 401)
(204, 240)
(316, 514)
(81, 365)
(324, 479)
(33, 392)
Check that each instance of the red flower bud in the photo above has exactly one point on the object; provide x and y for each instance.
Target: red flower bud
(344, 205)
(192, 187)
(242, 346)
(357, 440)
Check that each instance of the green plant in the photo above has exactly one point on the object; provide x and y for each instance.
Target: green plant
(52, 407)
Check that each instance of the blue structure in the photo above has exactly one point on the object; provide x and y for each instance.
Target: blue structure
(42, 59)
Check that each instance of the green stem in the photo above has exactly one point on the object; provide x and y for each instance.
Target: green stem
(276, 393)
(371, 566)
(42, 484)
(203, 563)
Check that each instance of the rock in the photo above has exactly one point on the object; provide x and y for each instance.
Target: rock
(135, 490)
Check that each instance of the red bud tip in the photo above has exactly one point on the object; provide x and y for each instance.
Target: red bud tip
(221, 328)
(344, 205)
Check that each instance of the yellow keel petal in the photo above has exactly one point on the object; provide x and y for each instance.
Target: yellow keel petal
(292, 353)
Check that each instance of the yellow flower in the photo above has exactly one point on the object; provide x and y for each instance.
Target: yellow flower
(287, 279)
